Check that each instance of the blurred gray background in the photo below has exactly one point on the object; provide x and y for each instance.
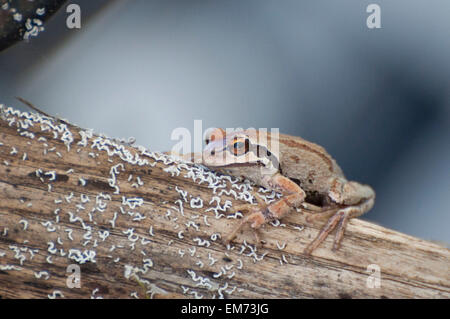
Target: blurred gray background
(377, 99)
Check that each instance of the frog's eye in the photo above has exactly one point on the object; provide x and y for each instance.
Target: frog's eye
(237, 146)
(240, 148)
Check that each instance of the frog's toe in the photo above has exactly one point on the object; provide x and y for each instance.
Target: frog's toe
(339, 220)
(255, 219)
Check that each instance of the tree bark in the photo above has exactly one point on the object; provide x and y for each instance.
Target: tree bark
(141, 224)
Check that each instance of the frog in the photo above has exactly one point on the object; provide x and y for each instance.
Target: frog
(304, 173)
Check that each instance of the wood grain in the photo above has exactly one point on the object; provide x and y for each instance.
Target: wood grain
(139, 224)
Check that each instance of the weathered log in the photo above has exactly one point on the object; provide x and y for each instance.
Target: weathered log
(142, 224)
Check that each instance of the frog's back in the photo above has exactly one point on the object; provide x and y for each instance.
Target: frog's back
(307, 163)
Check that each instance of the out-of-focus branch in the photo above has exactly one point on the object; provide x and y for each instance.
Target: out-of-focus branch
(22, 20)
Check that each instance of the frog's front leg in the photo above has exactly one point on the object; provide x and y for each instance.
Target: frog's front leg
(260, 214)
(355, 199)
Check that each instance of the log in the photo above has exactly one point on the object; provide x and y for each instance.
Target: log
(83, 215)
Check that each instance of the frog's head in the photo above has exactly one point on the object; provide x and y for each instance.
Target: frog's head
(237, 150)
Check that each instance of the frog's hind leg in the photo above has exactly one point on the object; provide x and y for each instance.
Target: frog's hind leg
(311, 207)
(339, 220)
(316, 212)
(324, 215)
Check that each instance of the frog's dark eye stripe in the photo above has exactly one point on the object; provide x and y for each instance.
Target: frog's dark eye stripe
(262, 151)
